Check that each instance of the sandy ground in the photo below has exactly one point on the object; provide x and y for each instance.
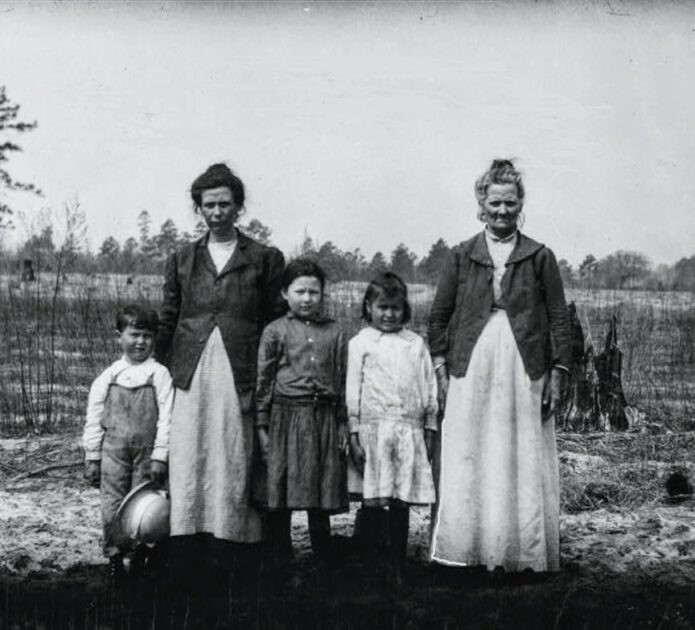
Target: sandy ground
(51, 526)
(621, 568)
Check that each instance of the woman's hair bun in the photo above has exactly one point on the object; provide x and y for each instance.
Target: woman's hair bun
(498, 164)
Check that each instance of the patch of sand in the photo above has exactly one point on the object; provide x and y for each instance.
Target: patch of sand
(49, 526)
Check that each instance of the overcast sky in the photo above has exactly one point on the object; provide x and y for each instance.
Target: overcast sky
(365, 123)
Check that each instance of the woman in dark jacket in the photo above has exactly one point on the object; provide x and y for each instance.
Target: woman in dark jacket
(499, 336)
(219, 292)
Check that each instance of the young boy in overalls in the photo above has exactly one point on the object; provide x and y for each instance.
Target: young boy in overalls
(126, 434)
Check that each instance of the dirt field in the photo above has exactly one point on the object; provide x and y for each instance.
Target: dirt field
(623, 565)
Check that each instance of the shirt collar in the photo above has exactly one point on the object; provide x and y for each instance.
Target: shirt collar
(125, 363)
(375, 334)
(523, 248)
(496, 239)
(316, 319)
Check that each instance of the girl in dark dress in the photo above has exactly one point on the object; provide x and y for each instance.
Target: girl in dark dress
(301, 422)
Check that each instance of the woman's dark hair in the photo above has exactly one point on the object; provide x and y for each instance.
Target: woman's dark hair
(216, 176)
(302, 267)
(389, 285)
(138, 317)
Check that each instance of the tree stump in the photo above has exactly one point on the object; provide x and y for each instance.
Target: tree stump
(595, 393)
(608, 366)
(581, 408)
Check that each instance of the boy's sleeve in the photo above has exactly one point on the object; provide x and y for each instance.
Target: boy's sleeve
(165, 402)
(430, 383)
(268, 354)
(353, 384)
(93, 434)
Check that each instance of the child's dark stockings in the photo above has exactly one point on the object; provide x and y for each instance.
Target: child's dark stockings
(399, 521)
(279, 536)
(320, 533)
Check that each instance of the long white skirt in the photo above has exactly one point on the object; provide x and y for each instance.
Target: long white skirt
(210, 454)
(499, 491)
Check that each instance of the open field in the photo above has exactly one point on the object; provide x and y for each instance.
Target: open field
(628, 556)
(57, 336)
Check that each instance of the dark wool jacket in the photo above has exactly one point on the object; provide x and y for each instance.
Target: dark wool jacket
(241, 300)
(532, 296)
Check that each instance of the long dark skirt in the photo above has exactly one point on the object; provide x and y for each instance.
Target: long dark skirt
(306, 470)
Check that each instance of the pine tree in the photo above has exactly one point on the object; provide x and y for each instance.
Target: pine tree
(403, 262)
(10, 125)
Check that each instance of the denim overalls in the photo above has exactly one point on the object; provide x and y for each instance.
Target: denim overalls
(130, 424)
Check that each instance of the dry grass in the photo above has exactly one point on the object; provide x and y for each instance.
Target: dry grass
(620, 470)
(56, 337)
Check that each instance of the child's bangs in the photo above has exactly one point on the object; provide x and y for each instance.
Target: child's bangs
(390, 286)
(143, 324)
(390, 293)
(137, 317)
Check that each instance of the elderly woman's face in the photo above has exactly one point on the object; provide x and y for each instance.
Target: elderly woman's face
(219, 212)
(501, 209)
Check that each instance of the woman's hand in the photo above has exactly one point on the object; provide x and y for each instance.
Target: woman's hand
(554, 389)
(442, 375)
(263, 440)
(357, 452)
(429, 443)
(342, 438)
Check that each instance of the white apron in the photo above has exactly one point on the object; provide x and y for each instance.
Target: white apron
(210, 454)
(499, 494)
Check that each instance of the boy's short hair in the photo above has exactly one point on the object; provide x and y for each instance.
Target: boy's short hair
(138, 317)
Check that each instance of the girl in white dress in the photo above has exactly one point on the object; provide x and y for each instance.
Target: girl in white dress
(391, 396)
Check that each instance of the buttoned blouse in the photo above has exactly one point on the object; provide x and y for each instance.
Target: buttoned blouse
(221, 252)
(390, 376)
(500, 249)
(301, 359)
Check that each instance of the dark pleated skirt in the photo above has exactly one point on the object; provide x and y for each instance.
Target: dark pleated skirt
(306, 470)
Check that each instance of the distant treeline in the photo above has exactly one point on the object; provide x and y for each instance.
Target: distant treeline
(146, 253)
